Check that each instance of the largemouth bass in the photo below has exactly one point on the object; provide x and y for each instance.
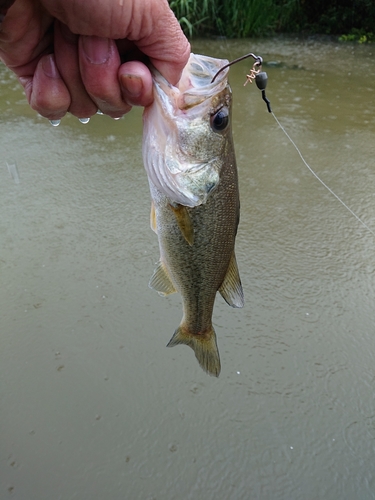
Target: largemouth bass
(190, 162)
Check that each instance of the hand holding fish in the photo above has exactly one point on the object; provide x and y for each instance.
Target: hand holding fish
(79, 56)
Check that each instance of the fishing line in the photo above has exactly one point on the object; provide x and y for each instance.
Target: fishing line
(260, 78)
(319, 179)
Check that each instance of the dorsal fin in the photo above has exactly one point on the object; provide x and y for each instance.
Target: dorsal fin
(184, 222)
(231, 288)
(160, 281)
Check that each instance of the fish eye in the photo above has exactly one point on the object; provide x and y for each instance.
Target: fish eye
(220, 120)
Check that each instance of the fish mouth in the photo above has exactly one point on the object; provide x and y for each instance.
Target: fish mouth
(198, 74)
(195, 85)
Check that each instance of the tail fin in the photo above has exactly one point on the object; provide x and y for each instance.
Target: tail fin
(204, 347)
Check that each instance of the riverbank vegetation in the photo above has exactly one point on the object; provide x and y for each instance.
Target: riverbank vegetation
(350, 19)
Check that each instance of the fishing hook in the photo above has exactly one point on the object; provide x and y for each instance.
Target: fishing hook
(256, 74)
(258, 62)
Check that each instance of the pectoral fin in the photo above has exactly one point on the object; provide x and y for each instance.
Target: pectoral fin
(231, 288)
(161, 282)
(153, 218)
(184, 222)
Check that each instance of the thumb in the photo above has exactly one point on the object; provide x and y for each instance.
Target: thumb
(165, 43)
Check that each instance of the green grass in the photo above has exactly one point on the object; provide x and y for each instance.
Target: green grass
(230, 18)
(244, 18)
(359, 36)
(194, 15)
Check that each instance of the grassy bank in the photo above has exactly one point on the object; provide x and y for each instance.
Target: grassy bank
(354, 19)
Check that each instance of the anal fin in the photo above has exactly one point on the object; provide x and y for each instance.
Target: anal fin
(231, 288)
(160, 281)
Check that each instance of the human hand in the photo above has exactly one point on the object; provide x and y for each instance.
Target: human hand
(84, 55)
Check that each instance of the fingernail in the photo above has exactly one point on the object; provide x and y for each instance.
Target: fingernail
(49, 67)
(96, 49)
(132, 85)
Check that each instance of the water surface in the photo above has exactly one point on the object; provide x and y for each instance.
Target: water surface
(93, 405)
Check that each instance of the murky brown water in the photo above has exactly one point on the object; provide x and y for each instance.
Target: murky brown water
(92, 404)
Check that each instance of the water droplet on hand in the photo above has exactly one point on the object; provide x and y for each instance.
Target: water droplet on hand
(55, 123)
(84, 120)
